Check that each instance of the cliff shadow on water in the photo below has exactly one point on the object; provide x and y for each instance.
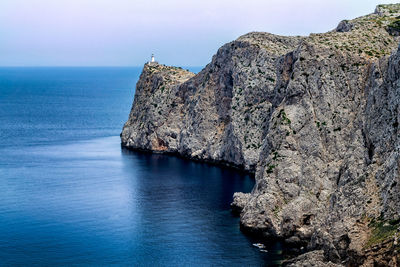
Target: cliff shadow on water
(192, 201)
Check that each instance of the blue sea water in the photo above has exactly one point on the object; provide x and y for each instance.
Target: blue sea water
(69, 195)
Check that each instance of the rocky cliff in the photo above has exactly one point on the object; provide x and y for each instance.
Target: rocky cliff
(315, 118)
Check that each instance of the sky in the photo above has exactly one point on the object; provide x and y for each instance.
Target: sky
(178, 32)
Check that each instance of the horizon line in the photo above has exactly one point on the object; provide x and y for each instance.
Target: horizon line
(103, 66)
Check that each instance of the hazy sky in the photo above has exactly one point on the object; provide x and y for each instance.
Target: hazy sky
(126, 32)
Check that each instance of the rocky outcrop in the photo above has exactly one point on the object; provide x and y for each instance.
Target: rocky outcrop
(315, 118)
(310, 259)
(218, 115)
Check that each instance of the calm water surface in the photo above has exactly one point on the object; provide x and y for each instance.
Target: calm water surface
(71, 196)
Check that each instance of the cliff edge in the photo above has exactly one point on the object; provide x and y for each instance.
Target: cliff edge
(315, 118)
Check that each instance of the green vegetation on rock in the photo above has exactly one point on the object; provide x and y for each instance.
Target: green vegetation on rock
(382, 231)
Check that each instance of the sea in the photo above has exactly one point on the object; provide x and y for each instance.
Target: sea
(71, 196)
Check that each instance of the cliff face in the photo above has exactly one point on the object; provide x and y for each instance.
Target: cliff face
(316, 118)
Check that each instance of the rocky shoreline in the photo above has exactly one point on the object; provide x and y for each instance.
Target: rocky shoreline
(315, 119)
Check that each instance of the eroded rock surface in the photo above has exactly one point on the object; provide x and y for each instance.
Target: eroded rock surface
(315, 118)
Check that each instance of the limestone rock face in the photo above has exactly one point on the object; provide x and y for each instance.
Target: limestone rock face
(155, 118)
(315, 118)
